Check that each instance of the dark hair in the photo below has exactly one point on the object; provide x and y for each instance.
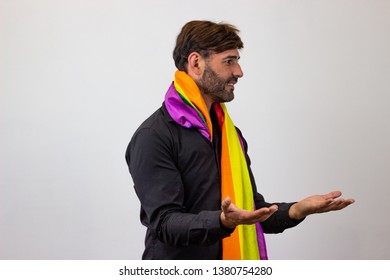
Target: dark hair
(205, 37)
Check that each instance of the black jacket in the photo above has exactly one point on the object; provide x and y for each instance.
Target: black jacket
(176, 176)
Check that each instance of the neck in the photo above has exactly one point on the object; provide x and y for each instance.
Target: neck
(209, 102)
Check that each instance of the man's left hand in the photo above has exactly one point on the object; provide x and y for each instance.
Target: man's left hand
(318, 204)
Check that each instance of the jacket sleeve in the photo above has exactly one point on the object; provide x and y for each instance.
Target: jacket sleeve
(158, 184)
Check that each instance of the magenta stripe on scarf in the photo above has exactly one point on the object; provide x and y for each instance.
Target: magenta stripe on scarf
(182, 113)
(261, 242)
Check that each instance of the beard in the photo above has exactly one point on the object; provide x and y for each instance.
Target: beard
(215, 87)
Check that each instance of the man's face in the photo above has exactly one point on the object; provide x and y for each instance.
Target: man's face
(220, 74)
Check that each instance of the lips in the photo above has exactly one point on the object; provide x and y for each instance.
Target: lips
(231, 82)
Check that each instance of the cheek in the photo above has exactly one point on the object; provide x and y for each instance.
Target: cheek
(226, 74)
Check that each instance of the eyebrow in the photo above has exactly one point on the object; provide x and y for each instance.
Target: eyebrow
(231, 57)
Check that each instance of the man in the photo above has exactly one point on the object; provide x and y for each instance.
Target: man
(189, 163)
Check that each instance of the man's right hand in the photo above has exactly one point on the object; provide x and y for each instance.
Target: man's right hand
(233, 216)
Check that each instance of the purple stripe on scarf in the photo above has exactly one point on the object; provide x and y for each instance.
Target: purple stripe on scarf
(261, 242)
(259, 231)
(182, 113)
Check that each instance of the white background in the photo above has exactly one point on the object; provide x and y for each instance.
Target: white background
(77, 77)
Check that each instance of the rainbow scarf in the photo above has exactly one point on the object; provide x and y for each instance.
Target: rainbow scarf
(186, 106)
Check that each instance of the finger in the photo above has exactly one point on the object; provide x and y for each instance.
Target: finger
(263, 214)
(269, 214)
(333, 195)
(345, 203)
(273, 208)
(339, 204)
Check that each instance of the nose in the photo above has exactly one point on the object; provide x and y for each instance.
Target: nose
(238, 71)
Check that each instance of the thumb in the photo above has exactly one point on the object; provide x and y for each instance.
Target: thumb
(226, 203)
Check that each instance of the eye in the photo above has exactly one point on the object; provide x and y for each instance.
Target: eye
(229, 61)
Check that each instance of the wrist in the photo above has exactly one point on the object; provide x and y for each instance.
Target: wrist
(224, 223)
(295, 213)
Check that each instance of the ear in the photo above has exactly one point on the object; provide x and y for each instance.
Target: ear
(195, 65)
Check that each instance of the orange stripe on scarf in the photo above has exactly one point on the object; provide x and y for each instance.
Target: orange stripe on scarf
(191, 93)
